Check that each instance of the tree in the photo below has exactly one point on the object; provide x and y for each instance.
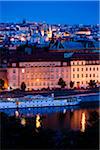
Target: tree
(2, 82)
(92, 84)
(23, 86)
(71, 84)
(61, 83)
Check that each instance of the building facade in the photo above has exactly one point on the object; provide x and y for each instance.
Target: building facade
(45, 72)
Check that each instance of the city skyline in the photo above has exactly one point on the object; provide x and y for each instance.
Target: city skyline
(52, 12)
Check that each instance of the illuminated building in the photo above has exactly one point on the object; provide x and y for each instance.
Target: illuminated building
(43, 69)
(85, 67)
(83, 31)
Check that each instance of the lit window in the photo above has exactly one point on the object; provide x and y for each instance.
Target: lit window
(23, 70)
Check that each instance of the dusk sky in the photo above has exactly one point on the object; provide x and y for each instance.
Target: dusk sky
(73, 12)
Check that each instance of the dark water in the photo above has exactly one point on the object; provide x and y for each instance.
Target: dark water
(54, 127)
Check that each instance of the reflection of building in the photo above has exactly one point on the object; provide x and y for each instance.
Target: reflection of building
(43, 70)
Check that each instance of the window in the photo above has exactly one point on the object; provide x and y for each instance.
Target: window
(73, 75)
(82, 75)
(77, 75)
(77, 63)
(52, 76)
(73, 69)
(90, 69)
(93, 69)
(52, 69)
(82, 82)
(97, 69)
(77, 69)
(57, 76)
(23, 70)
(82, 69)
(93, 75)
(86, 82)
(57, 69)
(13, 64)
(86, 75)
(82, 62)
(90, 75)
(86, 69)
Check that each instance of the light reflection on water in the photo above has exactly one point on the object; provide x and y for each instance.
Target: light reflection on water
(56, 117)
(38, 123)
(83, 122)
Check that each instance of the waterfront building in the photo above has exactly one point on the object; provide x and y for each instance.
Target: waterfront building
(43, 69)
(85, 67)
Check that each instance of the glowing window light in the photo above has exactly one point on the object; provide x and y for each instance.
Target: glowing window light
(23, 70)
(37, 80)
(83, 122)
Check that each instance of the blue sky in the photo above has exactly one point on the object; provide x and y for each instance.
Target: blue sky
(65, 12)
